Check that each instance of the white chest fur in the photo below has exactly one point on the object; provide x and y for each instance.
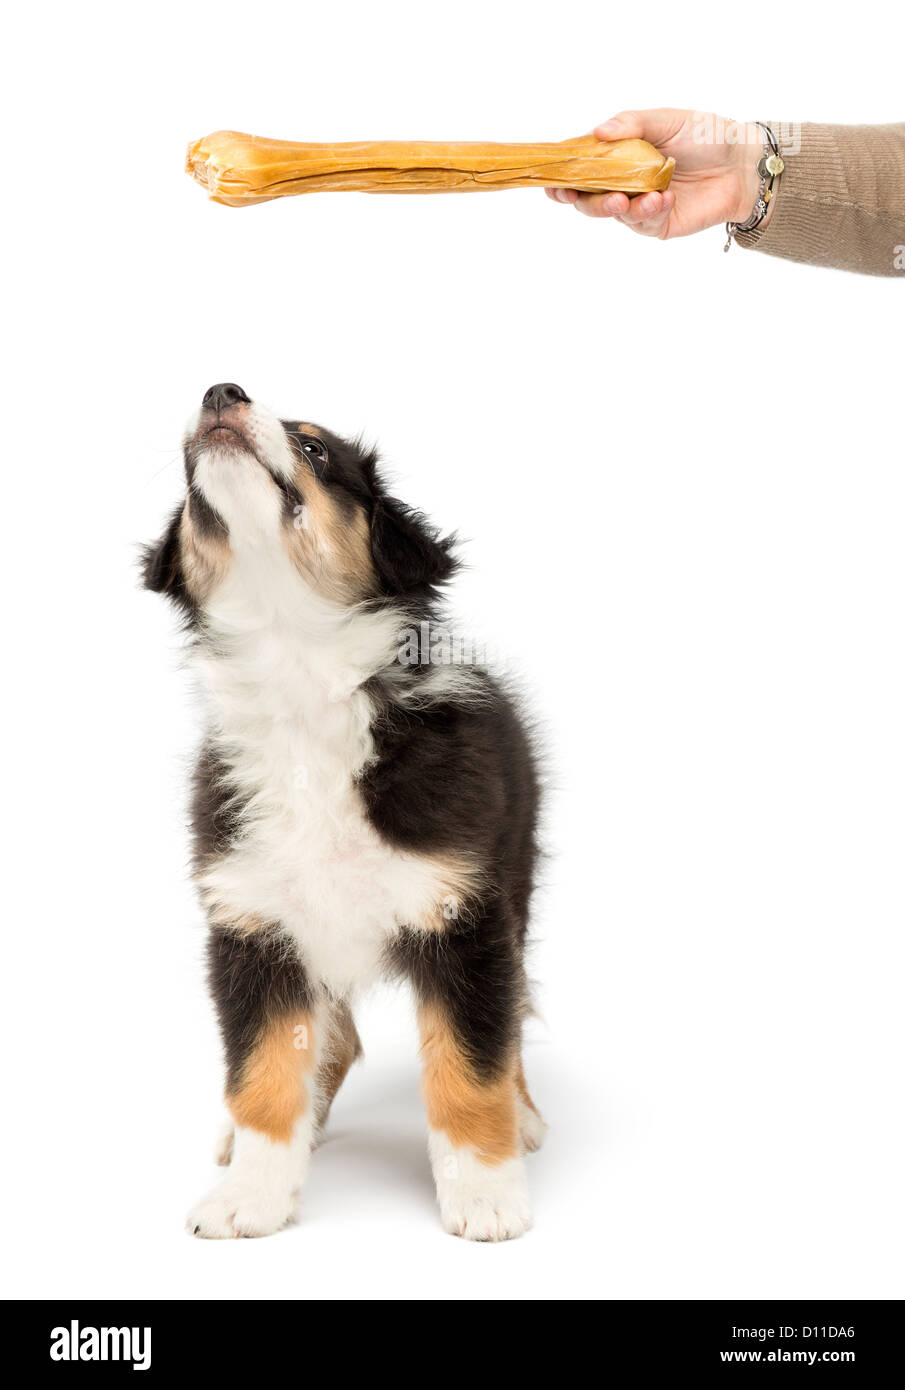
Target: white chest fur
(289, 720)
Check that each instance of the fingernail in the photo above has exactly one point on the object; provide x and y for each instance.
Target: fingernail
(608, 125)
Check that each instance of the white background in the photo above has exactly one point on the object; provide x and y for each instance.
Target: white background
(681, 474)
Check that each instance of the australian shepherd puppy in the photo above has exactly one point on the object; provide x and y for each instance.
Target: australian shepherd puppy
(359, 811)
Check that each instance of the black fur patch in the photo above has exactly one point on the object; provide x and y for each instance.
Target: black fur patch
(411, 558)
(216, 808)
(206, 520)
(255, 979)
(459, 777)
(161, 565)
(472, 972)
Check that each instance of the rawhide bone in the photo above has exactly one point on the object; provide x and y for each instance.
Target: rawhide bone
(241, 169)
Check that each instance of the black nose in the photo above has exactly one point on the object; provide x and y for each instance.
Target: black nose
(223, 394)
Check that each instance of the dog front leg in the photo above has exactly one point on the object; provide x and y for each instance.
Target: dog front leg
(269, 1020)
(468, 987)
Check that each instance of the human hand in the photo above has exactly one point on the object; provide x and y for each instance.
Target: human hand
(715, 179)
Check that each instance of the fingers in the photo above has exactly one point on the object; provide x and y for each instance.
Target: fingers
(602, 204)
(648, 214)
(591, 204)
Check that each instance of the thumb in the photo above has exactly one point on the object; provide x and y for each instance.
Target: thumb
(655, 126)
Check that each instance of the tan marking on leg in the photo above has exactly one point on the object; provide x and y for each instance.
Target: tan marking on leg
(472, 1113)
(341, 1048)
(272, 1093)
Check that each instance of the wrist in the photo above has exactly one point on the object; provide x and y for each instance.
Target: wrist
(747, 180)
(755, 176)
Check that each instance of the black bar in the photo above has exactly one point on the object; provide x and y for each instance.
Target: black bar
(258, 1337)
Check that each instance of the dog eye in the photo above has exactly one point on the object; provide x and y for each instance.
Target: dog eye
(314, 449)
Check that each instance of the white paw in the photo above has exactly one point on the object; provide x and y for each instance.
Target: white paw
(257, 1196)
(479, 1201)
(237, 1208)
(223, 1148)
(532, 1129)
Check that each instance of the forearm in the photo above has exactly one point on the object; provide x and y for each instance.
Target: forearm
(841, 200)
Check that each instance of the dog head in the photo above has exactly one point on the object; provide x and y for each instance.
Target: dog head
(264, 488)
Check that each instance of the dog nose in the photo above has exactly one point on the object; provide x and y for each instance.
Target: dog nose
(223, 394)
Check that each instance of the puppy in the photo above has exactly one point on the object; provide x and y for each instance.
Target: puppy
(362, 808)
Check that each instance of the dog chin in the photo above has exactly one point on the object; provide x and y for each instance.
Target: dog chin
(226, 437)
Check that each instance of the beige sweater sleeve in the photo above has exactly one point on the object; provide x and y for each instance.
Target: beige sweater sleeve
(841, 199)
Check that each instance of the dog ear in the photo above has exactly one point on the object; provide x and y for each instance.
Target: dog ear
(410, 556)
(161, 562)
